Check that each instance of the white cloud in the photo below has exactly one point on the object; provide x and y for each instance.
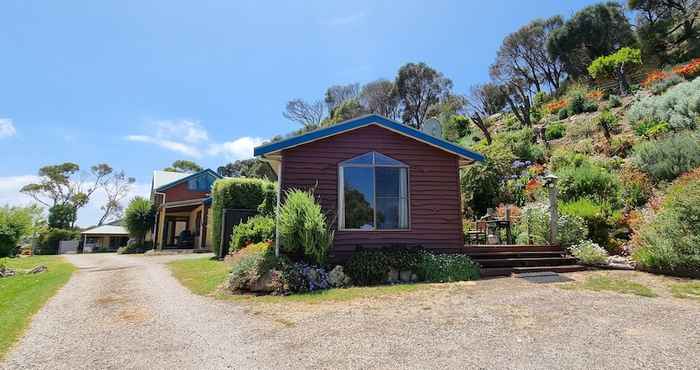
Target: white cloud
(9, 189)
(345, 19)
(180, 136)
(167, 144)
(240, 148)
(190, 138)
(7, 128)
(186, 130)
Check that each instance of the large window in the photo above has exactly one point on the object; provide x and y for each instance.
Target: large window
(373, 192)
(201, 183)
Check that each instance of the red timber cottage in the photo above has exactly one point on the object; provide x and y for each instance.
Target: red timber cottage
(182, 202)
(383, 183)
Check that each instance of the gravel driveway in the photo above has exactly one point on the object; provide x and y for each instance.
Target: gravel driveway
(128, 312)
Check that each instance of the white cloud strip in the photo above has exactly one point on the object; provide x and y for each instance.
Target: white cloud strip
(191, 139)
(7, 128)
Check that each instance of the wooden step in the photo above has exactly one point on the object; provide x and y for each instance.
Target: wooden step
(493, 255)
(510, 248)
(506, 271)
(524, 262)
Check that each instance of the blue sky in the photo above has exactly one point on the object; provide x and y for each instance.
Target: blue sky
(138, 84)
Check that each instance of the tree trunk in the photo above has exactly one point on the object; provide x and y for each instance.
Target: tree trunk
(479, 122)
(622, 80)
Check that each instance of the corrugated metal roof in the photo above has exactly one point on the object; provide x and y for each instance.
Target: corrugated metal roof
(162, 178)
(106, 230)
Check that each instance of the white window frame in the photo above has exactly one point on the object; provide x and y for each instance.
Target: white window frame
(373, 165)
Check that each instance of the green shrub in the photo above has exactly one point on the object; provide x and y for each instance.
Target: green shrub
(15, 223)
(577, 103)
(255, 230)
(48, 241)
(368, 267)
(589, 253)
(670, 242)
(614, 101)
(636, 188)
(371, 266)
(554, 131)
(660, 87)
(562, 158)
(563, 113)
(447, 267)
(482, 185)
(679, 107)
(599, 219)
(587, 180)
(239, 193)
(665, 159)
(139, 218)
(521, 143)
(303, 227)
(250, 264)
(534, 226)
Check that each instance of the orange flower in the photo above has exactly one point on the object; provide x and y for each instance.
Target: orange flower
(595, 95)
(690, 69)
(532, 185)
(653, 77)
(555, 106)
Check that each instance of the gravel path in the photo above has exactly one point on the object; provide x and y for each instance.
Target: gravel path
(128, 312)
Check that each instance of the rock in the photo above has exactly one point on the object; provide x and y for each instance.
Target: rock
(620, 263)
(264, 283)
(337, 277)
(38, 269)
(393, 276)
(405, 276)
(6, 271)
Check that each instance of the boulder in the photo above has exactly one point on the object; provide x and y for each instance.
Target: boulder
(6, 271)
(337, 277)
(264, 283)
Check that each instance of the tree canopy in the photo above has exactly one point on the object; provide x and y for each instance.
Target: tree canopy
(419, 87)
(139, 217)
(668, 30)
(593, 31)
(253, 167)
(183, 165)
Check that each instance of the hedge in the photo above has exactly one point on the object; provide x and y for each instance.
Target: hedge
(240, 193)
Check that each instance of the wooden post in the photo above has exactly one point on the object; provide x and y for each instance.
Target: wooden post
(551, 182)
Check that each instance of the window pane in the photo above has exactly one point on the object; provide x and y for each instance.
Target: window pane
(381, 159)
(358, 197)
(362, 159)
(391, 213)
(388, 179)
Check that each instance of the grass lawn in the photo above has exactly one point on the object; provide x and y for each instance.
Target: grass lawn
(686, 290)
(204, 276)
(612, 284)
(22, 295)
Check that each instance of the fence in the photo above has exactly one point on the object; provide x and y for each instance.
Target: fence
(68, 246)
(229, 219)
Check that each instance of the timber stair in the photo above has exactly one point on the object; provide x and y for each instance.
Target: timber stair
(518, 259)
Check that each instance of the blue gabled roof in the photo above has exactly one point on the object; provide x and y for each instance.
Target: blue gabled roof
(372, 119)
(187, 178)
